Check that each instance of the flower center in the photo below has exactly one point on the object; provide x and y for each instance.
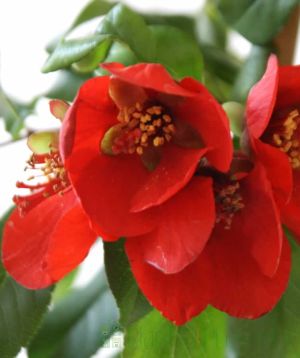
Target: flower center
(228, 202)
(142, 127)
(286, 138)
(48, 177)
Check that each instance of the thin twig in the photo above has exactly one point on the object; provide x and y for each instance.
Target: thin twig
(12, 141)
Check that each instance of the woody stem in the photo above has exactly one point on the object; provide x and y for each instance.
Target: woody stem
(285, 41)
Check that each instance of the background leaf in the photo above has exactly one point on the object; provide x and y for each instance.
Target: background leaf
(93, 9)
(14, 113)
(181, 60)
(63, 287)
(154, 336)
(258, 20)
(78, 324)
(70, 51)
(131, 302)
(211, 28)
(21, 312)
(251, 72)
(66, 92)
(129, 27)
(276, 334)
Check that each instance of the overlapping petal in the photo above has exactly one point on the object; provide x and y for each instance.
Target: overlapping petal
(210, 121)
(184, 227)
(278, 169)
(179, 297)
(257, 226)
(151, 76)
(174, 171)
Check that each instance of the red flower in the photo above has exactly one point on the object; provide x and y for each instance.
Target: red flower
(48, 234)
(134, 139)
(243, 268)
(273, 128)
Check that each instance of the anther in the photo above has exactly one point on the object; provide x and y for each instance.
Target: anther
(286, 137)
(141, 127)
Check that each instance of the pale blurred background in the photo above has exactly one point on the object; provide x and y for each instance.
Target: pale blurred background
(25, 28)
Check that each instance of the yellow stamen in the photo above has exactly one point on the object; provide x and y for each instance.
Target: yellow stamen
(286, 139)
(140, 150)
(158, 141)
(149, 126)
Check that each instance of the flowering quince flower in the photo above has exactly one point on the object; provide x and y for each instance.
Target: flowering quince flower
(189, 227)
(131, 142)
(47, 234)
(273, 132)
(243, 268)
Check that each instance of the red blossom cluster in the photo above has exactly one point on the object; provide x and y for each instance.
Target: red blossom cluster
(151, 159)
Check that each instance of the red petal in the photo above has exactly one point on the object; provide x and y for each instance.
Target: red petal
(288, 87)
(240, 288)
(208, 118)
(261, 99)
(184, 227)
(278, 169)
(291, 212)
(105, 184)
(174, 171)
(148, 75)
(258, 223)
(91, 115)
(46, 244)
(179, 297)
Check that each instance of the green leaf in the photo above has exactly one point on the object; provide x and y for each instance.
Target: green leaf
(220, 63)
(127, 26)
(91, 61)
(178, 52)
(219, 88)
(66, 85)
(131, 302)
(63, 287)
(211, 29)
(258, 20)
(121, 53)
(70, 51)
(251, 72)
(13, 114)
(78, 324)
(21, 312)
(276, 334)
(93, 9)
(183, 23)
(235, 113)
(154, 336)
